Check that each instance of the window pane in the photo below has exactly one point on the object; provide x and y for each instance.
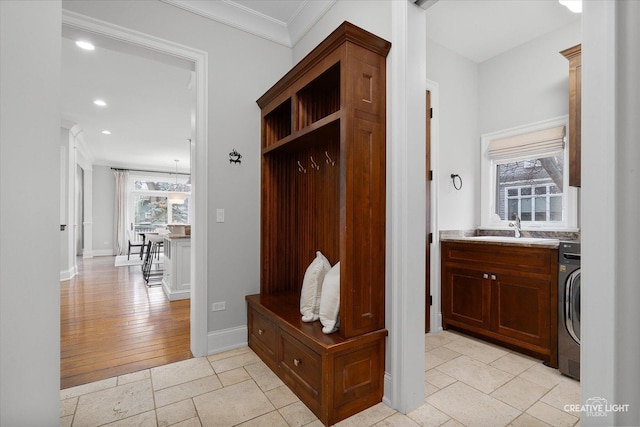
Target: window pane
(161, 185)
(556, 208)
(518, 181)
(180, 213)
(526, 209)
(513, 208)
(541, 209)
(150, 210)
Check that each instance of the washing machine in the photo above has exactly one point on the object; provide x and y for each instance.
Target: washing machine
(569, 309)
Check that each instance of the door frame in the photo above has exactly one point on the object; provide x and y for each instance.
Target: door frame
(428, 180)
(199, 156)
(435, 311)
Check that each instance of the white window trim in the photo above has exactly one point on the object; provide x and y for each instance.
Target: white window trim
(488, 181)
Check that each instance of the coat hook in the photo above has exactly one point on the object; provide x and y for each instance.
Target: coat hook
(329, 160)
(301, 168)
(314, 164)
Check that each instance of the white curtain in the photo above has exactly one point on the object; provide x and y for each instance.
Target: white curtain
(121, 211)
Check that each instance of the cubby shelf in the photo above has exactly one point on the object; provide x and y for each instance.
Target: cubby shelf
(323, 128)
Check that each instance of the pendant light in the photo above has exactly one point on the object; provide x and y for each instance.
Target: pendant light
(176, 198)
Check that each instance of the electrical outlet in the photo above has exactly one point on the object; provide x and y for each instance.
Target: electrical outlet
(217, 306)
(219, 215)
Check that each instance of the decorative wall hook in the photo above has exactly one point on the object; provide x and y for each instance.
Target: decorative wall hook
(314, 164)
(301, 168)
(329, 159)
(234, 157)
(456, 184)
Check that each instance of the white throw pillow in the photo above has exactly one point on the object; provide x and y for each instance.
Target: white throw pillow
(311, 287)
(330, 300)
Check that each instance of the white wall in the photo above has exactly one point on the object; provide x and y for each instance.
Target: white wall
(104, 190)
(241, 68)
(458, 149)
(527, 84)
(29, 181)
(372, 15)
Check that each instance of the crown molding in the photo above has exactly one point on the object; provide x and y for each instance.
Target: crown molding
(248, 20)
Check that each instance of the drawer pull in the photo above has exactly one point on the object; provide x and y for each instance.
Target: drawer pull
(485, 276)
(493, 277)
(260, 331)
(297, 362)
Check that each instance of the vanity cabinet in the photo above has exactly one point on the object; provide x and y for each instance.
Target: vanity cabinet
(574, 55)
(507, 294)
(323, 189)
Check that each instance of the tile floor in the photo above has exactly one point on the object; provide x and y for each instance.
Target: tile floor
(467, 383)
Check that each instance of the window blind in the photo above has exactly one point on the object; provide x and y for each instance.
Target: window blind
(533, 145)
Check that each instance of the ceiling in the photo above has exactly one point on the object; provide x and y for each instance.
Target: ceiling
(480, 30)
(148, 93)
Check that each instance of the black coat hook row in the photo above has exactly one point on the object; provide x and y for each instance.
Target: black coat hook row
(456, 184)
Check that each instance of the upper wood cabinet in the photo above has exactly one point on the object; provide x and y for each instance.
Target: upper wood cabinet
(573, 54)
(323, 189)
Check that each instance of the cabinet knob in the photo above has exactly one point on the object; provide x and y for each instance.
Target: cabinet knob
(493, 277)
(297, 362)
(485, 276)
(260, 331)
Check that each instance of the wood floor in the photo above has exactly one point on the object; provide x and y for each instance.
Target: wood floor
(113, 324)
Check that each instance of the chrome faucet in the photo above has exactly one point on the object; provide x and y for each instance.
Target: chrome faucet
(516, 224)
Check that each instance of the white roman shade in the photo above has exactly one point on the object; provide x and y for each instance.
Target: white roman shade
(532, 145)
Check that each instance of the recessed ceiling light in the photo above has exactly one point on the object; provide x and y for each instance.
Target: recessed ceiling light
(106, 132)
(100, 103)
(85, 45)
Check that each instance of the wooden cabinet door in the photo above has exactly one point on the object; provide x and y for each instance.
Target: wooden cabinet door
(521, 308)
(466, 297)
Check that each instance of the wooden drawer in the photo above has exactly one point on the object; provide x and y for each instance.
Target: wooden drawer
(301, 368)
(494, 258)
(262, 335)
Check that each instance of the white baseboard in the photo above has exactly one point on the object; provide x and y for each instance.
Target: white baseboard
(68, 274)
(226, 339)
(174, 295)
(100, 252)
(388, 385)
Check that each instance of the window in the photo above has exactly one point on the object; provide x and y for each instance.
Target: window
(524, 173)
(150, 204)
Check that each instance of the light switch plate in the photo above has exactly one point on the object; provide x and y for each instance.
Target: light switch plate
(219, 215)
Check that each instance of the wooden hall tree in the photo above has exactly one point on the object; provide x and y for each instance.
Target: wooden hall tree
(323, 188)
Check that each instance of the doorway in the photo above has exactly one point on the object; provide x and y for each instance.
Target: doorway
(198, 156)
